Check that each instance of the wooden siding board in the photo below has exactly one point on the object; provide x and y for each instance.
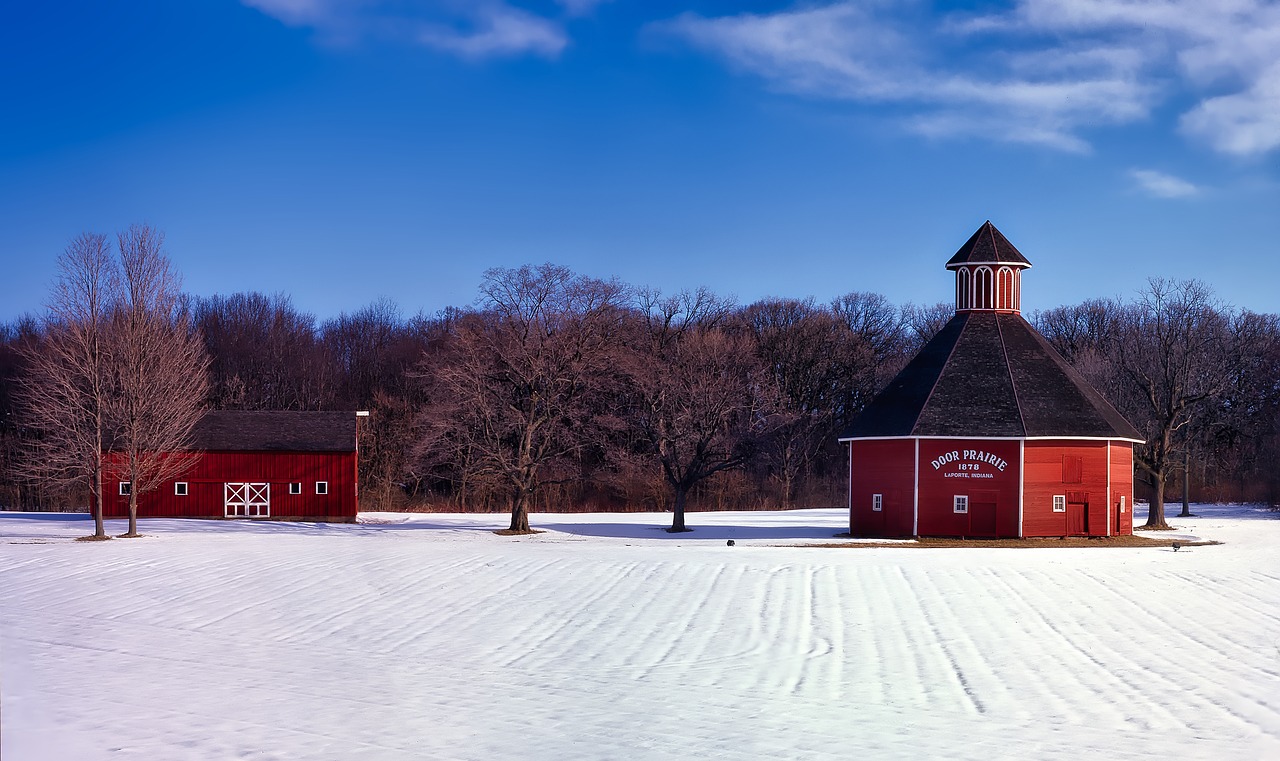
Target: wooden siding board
(1045, 478)
(882, 467)
(984, 482)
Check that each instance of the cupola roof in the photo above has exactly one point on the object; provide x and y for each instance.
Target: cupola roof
(988, 246)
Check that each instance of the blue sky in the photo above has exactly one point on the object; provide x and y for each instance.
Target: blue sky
(344, 150)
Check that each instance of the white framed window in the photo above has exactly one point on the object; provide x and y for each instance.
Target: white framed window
(1059, 503)
(322, 487)
(1122, 504)
(960, 503)
(877, 502)
(180, 488)
(295, 488)
(126, 488)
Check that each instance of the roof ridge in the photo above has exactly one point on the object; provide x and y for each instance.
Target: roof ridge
(1008, 368)
(938, 378)
(1080, 382)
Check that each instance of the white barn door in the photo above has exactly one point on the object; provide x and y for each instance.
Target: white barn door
(247, 500)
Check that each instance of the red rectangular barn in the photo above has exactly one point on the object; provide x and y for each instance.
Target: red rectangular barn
(276, 465)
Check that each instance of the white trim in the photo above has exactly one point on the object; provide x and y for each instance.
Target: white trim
(849, 500)
(956, 501)
(1059, 499)
(295, 487)
(999, 272)
(322, 488)
(977, 273)
(877, 503)
(1022, 486)
(915, 508)
(125, 488)
(1017, 265)
(185, 489)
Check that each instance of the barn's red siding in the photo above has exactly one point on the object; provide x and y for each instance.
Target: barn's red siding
(886, 468)
(1051, 470)
(985, 471)
(213, 470)
(1122, 486)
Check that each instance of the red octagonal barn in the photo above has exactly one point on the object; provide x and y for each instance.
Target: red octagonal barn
(988, 432)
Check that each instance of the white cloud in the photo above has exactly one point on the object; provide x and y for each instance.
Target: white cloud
(498, 30)
(1042, 72)
(580, 7)
(466, 28)
(1162, 185)
(1242, 123)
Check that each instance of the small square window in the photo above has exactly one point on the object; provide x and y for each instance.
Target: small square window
(295, 488)
(322, 487)
(877, 502)
(180, 488)
(1059, 503)
(126, 488)
(960, 503)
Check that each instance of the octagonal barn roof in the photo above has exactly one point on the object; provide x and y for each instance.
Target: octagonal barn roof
(990, 374)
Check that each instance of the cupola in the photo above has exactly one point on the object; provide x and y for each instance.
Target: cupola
(988, 272)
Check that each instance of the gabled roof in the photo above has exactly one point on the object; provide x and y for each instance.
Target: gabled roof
(988, 246)
(272, 431)
(990, 374)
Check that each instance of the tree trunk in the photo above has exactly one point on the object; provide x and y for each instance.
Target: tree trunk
(1186, 487)
(133, 512)
(99, 530)
(520, 511)
(677, 513)
(1155, 515)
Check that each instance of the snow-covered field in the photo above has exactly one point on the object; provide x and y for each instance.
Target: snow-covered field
(427, 636)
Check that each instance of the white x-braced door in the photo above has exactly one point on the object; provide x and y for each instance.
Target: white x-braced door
(247, 500)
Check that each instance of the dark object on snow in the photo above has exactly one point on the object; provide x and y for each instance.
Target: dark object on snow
(729, 543)
(1176, 546)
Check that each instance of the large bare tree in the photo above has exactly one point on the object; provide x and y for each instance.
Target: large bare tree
(159, 370)
(823, 372)
(66, 391)
(1176, 352)
(517, 390)
(700, 398)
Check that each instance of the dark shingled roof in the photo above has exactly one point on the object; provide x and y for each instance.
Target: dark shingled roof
(990, 374)
(257, 431)
(987, 246)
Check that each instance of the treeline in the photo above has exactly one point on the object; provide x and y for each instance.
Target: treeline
(555, 391)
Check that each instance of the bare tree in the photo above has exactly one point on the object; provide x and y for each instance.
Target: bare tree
(924, 321)
(158, 371)
(699, 397)
(515, 393)
(67, 387)
(265, 354)
(1176, 353)
(823, 372)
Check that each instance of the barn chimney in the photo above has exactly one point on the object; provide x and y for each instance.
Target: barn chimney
(988, 273)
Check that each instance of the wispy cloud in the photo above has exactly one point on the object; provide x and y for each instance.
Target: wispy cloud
(1162, 185)
(1043, 72)
(472, 29)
